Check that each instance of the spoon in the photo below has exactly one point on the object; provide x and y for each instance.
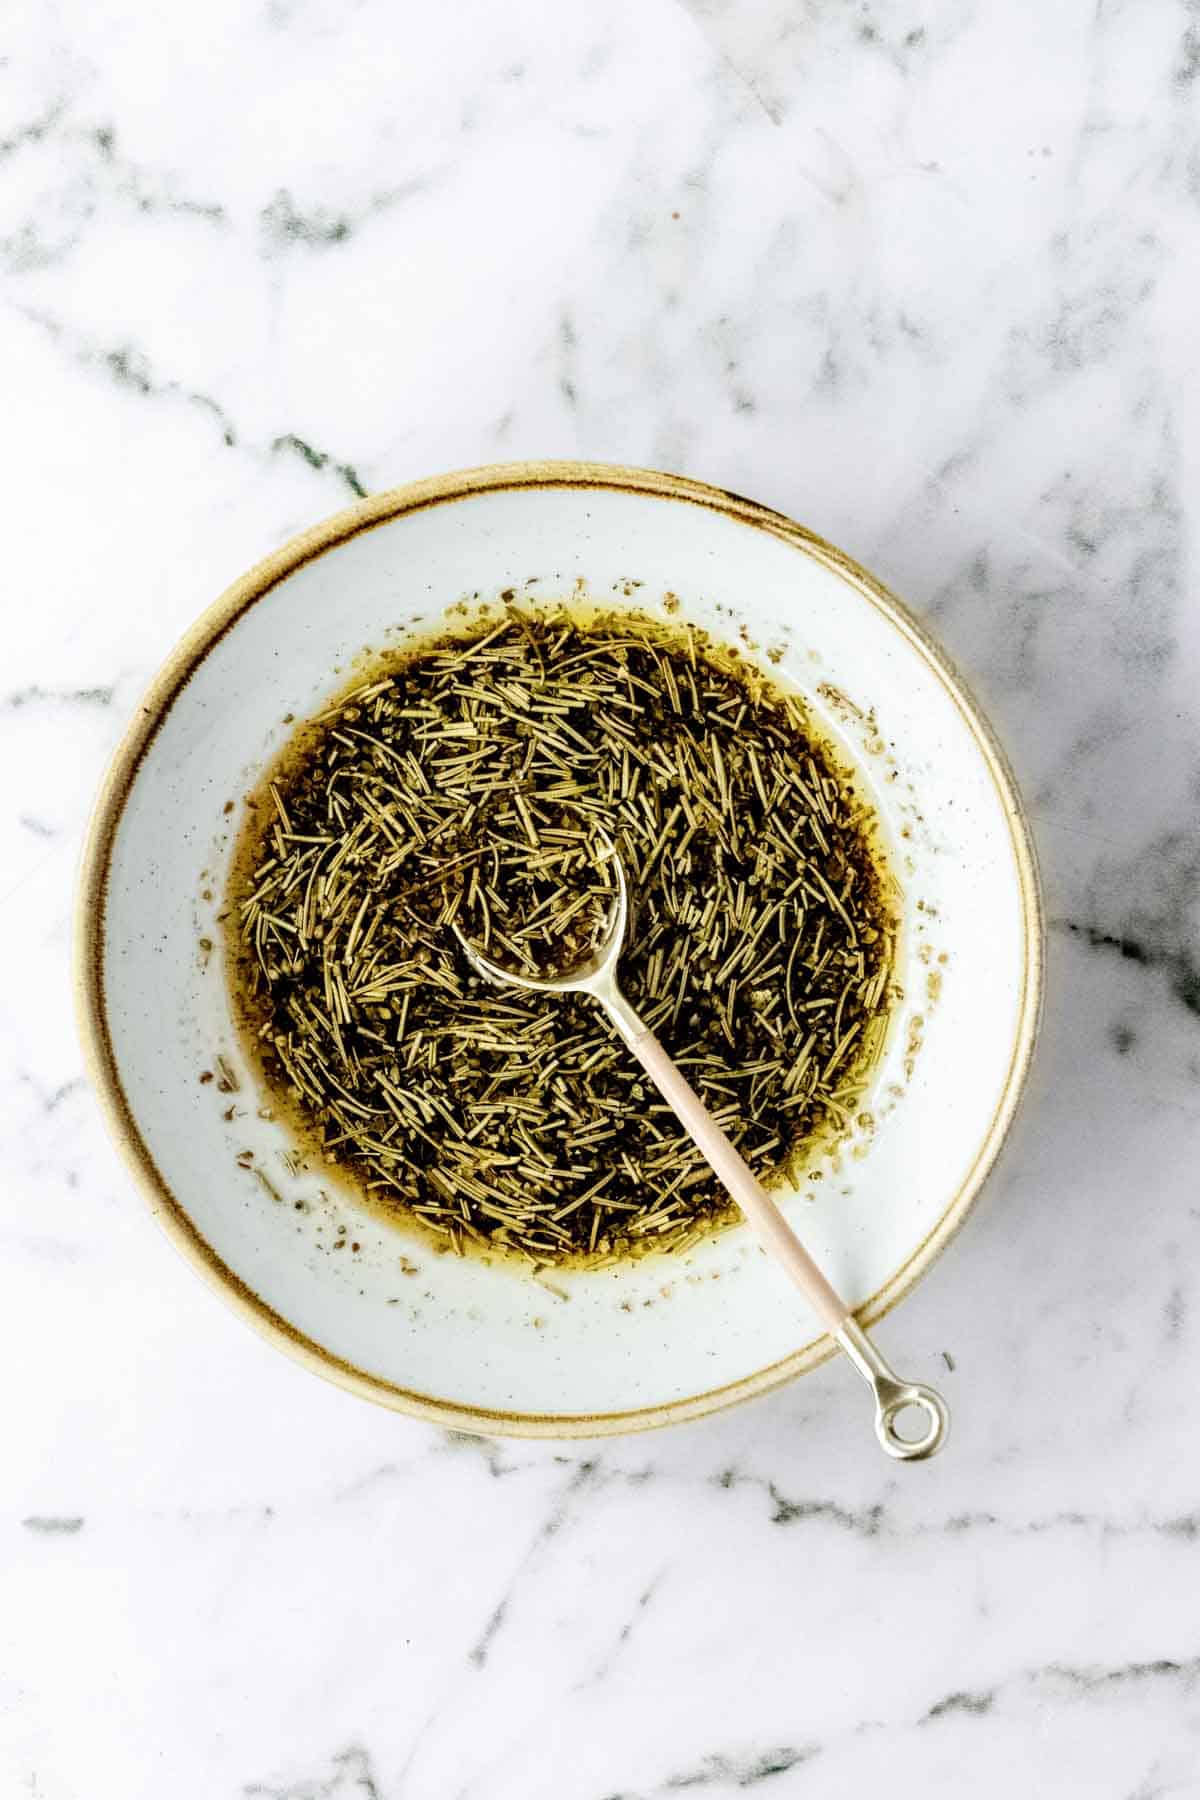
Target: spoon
(597, 976)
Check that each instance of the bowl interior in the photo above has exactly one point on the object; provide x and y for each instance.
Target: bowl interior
(487, 1345)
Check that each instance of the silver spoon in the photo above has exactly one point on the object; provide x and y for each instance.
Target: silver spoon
(597, 976)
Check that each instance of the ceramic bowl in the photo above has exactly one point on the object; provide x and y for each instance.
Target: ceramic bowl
(485, 1347)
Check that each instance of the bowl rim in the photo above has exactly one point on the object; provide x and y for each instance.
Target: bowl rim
(219, 618)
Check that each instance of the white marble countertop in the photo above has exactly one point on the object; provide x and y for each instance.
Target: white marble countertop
(919, 275)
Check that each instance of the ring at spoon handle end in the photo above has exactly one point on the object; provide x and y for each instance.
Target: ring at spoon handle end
(937, 1413)
(893, 1396)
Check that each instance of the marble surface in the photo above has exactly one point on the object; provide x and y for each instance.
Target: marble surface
(920, 275)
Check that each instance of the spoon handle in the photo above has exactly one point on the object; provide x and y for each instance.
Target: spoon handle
(892, 1396)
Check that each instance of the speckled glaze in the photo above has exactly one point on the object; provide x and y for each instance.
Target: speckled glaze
(480, 1344)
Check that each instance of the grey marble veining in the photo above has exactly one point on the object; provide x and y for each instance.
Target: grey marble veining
(923, 277)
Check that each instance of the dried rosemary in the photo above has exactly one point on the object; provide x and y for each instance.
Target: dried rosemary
(476, 782)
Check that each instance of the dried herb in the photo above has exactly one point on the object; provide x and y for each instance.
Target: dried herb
(476, 783)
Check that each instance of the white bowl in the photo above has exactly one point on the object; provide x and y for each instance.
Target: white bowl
(486, 1347)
